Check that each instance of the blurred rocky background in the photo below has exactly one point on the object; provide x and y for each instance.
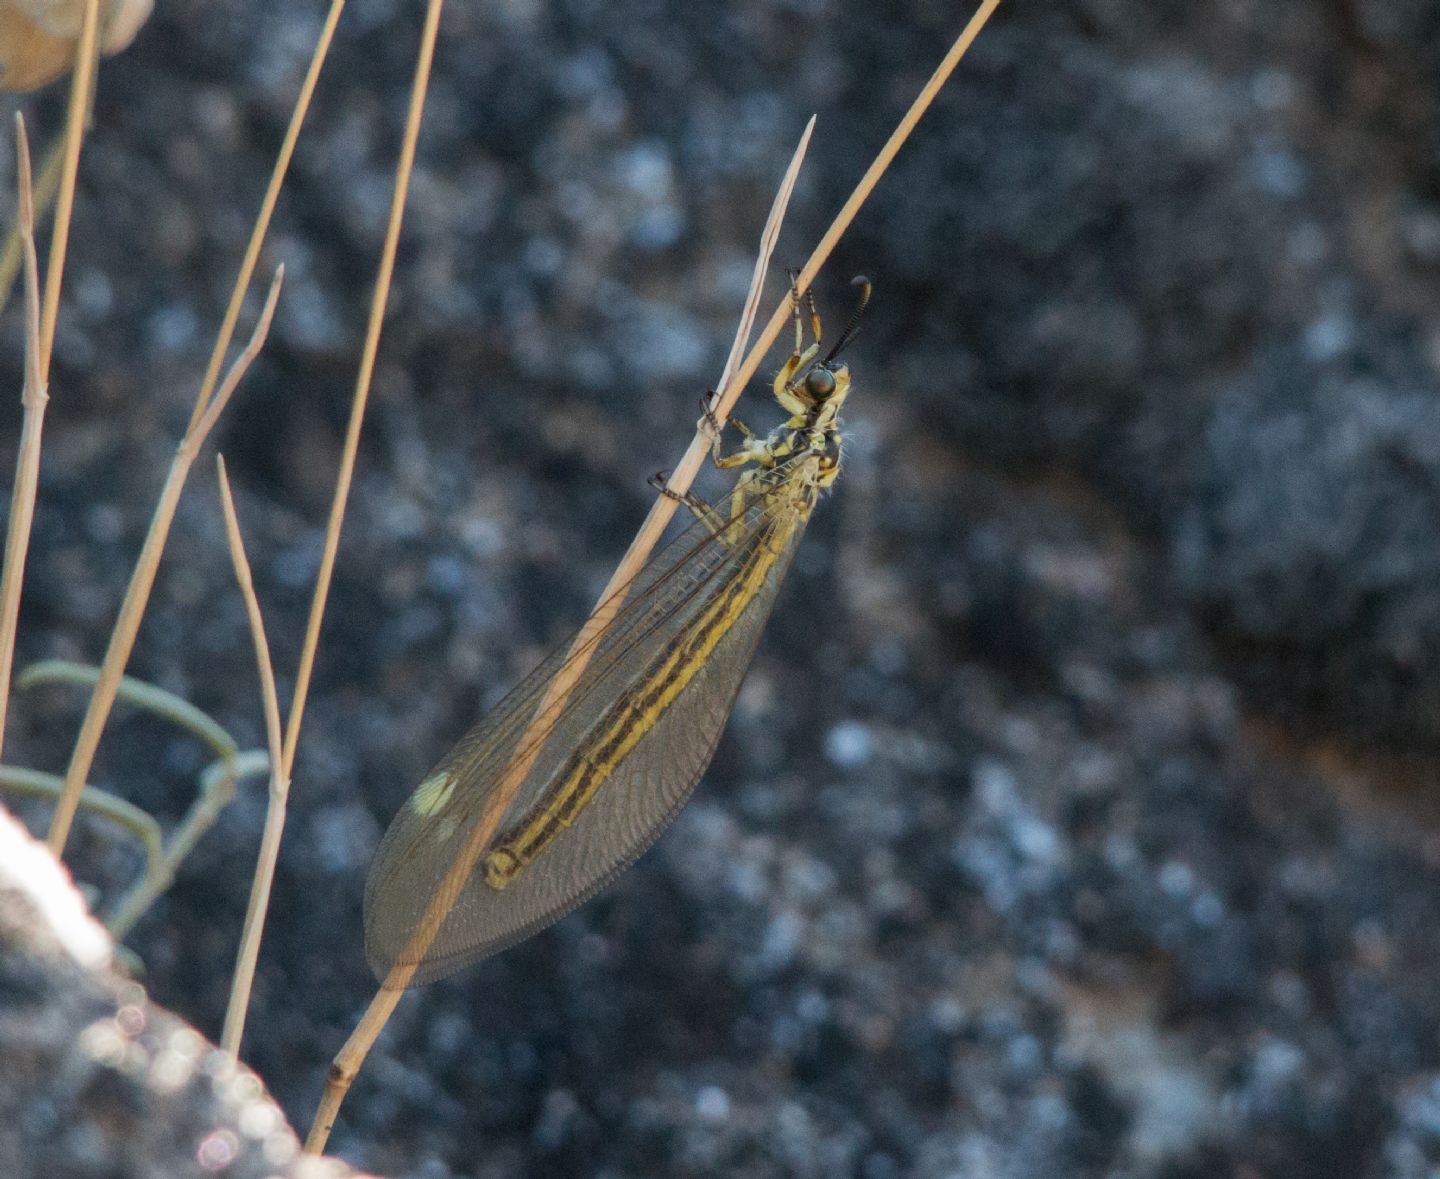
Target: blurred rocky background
(1079, 816)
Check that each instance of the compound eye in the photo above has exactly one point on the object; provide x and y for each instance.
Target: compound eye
(820, 383)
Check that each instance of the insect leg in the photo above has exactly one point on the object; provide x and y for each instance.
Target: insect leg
(698, 507)
(707, 404)
(716, 430)
(814, 315)
(792, 400)
(753, 450)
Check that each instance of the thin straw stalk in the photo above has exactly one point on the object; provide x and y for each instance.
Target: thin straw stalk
(32, 401)
(46, 184)
(81, 81)
(347, 1062)
(267, 208)
(141, 581)
(244, 976)
(356, 1048)
(424, 59)
(137, 594)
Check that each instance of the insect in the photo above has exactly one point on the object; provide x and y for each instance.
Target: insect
(608, 763)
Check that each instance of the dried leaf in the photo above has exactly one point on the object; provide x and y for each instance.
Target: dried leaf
(38, 37)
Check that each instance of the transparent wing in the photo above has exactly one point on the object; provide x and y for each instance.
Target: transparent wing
(674, 601)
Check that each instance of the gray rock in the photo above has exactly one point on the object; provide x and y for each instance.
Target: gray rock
(1078, 816)
(96, 1080)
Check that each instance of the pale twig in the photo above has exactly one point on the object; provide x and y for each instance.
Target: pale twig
(330, 1103)
(127, 624)
(47, 181)
(769, 236)
(75, 117)
(244, 975)
(32, 401)
(251, 258)
(142, 579)
(267, 209)
(359, 399)
(684, 473)
(197, 433)
(348, 1060)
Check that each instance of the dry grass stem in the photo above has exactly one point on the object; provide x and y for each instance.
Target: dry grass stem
(46, 183)
(195, 436)
(203, 415)
(685, 470)
(424, 59)
(687, 467)
(137, 594)
(769, 236)
(348, 1060)
(82, 80)
(267, 208)
(244, 975)
(32, 400)
(352, 1054)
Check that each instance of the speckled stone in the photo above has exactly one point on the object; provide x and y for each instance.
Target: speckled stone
(96, 1080)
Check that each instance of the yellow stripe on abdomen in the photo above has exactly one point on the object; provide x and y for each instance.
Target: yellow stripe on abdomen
(629, 719)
